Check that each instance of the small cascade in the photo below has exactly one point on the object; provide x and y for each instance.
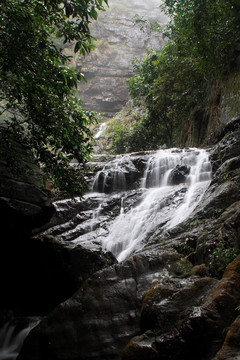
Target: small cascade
(95, 216)
(198, 179)
(174, 182)
(100, 131)
(159, 167)
(113, 177)
(122, 206)
(12, 336)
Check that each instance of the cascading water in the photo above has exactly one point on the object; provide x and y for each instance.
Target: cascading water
(100, 131)
(174, 182)
(12, 336)
(114, 175)
(135, 198)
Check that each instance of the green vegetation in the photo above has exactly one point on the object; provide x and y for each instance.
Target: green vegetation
(120, 130)
(184, 248)
(173, 81)
(221, 257)
(38, 103)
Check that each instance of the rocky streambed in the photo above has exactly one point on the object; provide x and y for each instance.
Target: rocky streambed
(171, 297)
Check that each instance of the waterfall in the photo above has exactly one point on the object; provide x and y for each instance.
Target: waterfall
(134, 199)
(12, 336)
(100, 131)
(95, 216)
(174, 182)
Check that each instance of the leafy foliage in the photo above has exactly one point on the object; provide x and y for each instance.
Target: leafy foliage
(38, 103)
(221, 257)
(206, 31)
(146, 25)
(173, 81)
(121, 131)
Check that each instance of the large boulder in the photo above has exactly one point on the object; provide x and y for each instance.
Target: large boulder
(190, 317)
(179, 175)
(103, 315)
(230, 348)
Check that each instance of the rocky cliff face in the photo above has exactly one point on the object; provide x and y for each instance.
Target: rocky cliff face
(118, 42)
(221, 112)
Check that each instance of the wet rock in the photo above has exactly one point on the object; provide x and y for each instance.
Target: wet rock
(230, 225)
(99, 320)
(230, 348)
(66, 265)
(141, 347)
(217, 198)
(202, 320)
(179, 175)
(200, 270)
(164, 304)
(226, 149)
(118, 175)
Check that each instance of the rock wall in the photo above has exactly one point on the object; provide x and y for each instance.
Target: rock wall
(118, 42)
(24, 205)
(221, 112)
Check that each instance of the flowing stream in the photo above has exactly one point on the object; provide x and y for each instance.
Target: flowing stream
(174, 182)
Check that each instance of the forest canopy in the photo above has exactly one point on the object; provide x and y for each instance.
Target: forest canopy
(38, 103)
(171, 82)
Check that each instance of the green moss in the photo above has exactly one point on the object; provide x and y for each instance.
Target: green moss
(182, 268)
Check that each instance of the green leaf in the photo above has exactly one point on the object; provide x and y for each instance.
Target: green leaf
(77, 46)
(93, 13)
(37, 88)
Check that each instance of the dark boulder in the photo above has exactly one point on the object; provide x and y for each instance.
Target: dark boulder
(179, 175)
(230, 348)
(198, 315)
(25, 205)
(99, 320)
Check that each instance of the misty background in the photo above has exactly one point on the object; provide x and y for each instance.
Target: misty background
(118, 41)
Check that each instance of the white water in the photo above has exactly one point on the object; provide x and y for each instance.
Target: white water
(100, 131)
(114, 173)
(12, 338)
(162, 205)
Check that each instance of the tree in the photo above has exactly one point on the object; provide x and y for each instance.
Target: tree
(144, 74)
(206, 31)
(175, 80)
(38, 102)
